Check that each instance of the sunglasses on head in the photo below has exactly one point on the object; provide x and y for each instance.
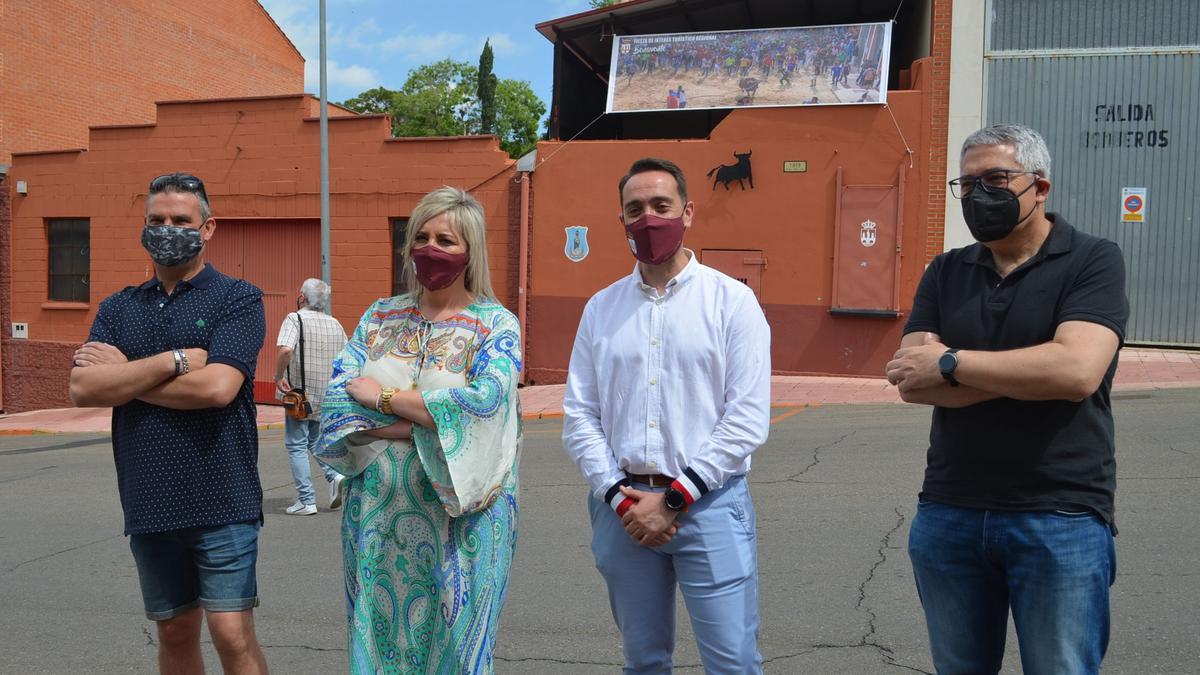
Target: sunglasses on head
(181, 181)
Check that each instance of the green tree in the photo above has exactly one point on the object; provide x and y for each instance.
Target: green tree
(377, 100)
(487, 90)
(438, 99)
(443, 99)
(597, 4)
(518, 111)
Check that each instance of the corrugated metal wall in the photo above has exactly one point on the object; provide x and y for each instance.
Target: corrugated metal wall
(1115, 117)
(277, 256)
(1088, 24)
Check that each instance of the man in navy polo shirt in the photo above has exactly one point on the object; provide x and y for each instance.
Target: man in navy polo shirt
(175, 359)
(1014, 342)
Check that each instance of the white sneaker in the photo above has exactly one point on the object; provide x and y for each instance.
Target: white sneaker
(302, 509)
(336, 491)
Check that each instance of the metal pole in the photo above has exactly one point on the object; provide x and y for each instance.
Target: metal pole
(325, 246)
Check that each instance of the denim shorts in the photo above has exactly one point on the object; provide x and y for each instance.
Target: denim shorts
(209, 567)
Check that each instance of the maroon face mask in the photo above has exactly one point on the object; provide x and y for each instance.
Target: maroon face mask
(437, 269)
(655, 239)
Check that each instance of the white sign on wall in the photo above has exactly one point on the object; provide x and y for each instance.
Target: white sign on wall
(1133, 205)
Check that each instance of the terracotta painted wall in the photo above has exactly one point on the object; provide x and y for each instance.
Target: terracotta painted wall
(259, 159)
(68, 64)
(790, 216)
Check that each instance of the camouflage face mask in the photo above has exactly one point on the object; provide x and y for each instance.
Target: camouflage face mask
(171, 245)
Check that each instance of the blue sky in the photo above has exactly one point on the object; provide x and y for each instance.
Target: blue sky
(375, 43)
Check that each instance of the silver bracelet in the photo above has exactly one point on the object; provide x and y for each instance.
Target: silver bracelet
(185, 367)
(177, 355)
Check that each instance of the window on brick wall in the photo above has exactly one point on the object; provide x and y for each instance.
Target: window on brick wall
(69, 243)
(399, 230)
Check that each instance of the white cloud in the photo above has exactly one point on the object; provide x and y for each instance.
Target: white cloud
(297, 21)
(426, 48)
(353, 77)
(503, 44)
(359, 37)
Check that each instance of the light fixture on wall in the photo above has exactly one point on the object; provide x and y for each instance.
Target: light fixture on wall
(22, 187)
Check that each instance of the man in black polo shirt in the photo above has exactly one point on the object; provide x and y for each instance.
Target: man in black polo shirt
(1014, 342)
(175, 359)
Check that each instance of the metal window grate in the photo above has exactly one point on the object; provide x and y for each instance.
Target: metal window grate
(69, 259)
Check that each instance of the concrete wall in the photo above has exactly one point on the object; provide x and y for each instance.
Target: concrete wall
(966, 105)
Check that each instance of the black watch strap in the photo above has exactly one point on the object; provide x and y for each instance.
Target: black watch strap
(947, 364)
(674, 500)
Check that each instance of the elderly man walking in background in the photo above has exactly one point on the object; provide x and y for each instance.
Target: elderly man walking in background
(318, 338)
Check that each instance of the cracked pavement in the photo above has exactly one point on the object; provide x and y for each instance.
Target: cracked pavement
(835, 489)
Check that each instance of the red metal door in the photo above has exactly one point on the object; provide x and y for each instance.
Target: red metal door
(866, 250)
(277, 256)
(745, 266)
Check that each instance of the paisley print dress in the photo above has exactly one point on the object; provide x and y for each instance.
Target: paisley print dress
(429, 526)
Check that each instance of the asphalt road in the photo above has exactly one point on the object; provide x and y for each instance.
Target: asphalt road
(835, 488)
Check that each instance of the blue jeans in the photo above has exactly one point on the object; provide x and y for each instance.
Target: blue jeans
(1052, 569)
(209, 567)
(300, 438)
(714, 560)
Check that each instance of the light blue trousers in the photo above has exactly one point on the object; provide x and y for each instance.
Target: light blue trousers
(714, 560)
(300, 438)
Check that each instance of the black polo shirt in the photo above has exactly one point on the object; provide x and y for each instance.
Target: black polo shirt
(187, 468)
(1015, 455)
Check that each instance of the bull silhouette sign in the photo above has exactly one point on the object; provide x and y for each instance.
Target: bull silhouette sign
(727, 173)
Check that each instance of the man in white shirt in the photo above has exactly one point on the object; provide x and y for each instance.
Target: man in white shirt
(667, 395)
(323, 340)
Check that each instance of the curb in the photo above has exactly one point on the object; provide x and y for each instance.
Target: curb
(30, 432)
(786, 410)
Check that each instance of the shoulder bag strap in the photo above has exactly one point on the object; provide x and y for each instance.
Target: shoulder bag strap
(301, 322)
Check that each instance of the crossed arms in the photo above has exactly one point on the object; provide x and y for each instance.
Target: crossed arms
(104, 377)
(1069, 367)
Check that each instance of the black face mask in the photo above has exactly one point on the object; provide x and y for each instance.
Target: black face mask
(993, 215)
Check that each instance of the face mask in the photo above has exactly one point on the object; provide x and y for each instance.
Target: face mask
(653, 239)
(171, 245)
(437, 269)
(993, 215)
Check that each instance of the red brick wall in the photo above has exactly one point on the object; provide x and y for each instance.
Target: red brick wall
(68, 64)
(36, 374)
(5, 277)
(935, 229)
(259, 159)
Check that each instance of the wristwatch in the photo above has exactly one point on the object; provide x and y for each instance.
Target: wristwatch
(947, 363)
(674, 500)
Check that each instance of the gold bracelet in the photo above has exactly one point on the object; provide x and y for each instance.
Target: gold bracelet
(385, 400)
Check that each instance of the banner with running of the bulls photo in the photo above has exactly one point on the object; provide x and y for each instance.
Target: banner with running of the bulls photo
(810, 65)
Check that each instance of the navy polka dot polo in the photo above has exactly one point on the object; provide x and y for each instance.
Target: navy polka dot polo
(187, 468)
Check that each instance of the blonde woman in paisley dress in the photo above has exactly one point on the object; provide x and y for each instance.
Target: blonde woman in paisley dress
(422, 418)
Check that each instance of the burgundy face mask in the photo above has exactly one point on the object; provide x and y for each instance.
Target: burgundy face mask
(437, 269)
(655, 239)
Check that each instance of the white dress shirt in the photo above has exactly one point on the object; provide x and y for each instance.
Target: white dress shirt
(676, 384)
